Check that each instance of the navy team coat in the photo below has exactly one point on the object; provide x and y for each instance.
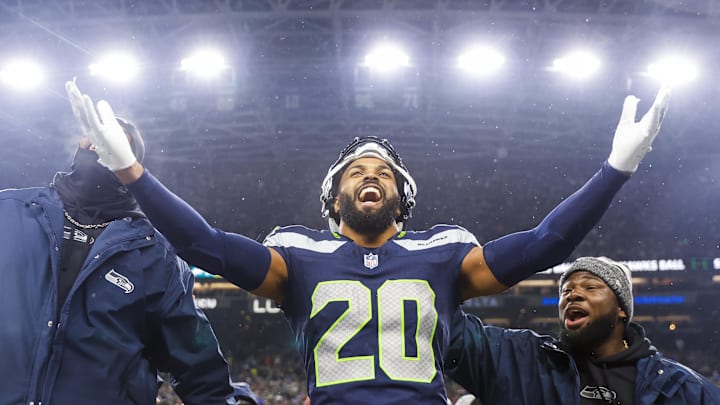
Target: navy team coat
(129, 315)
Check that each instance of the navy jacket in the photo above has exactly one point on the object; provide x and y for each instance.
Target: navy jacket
(129, 315)
(518, 366)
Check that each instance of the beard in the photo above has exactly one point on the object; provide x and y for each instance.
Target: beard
(586, 339)
(368, 222)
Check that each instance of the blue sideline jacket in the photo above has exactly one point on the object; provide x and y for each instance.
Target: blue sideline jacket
(129, 314)
(518, 366)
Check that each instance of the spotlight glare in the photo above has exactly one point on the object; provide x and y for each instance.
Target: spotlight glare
(387, 58)
(578, 65)
(22, 75)
(205, 64)
(481, 61)
(673, 71)
(117, 66)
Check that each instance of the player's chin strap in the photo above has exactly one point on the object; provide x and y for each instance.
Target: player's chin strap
(517, 256)
(335, 228)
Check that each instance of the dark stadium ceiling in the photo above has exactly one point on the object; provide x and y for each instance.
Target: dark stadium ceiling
(297, 91)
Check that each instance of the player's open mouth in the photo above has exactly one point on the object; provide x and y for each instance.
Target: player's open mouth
(370, 195)
(575, 317)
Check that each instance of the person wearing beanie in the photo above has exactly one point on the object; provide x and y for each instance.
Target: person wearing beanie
(343, 289)
(600, 356)
(95, 303)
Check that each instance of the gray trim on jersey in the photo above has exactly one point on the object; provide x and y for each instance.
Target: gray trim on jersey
(458, 235)
(300, 241)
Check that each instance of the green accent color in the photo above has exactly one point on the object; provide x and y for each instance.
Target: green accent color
(352, 315)
(358, 315)
(419, 343)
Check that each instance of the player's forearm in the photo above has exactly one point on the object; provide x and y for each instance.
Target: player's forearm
(241, 260)
(518, 256)
(172, 216)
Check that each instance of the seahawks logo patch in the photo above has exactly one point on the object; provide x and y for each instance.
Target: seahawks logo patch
(120, 281)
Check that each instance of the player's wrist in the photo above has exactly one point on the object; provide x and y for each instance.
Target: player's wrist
(130, 174)
(623, 165)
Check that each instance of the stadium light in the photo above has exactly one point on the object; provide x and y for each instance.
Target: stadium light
(674, 70)
(577, 65)
(481, 61)
(118, 67)
(204, 64)
(22, 75)
(386, 59)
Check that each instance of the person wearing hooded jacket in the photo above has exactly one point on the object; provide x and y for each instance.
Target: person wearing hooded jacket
(95, 302)
(600, 356)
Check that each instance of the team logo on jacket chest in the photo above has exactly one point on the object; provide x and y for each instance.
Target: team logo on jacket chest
(371, 260)
(119, 280)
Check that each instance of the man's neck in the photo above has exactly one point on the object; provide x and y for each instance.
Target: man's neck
(368, 240)
(615, 344)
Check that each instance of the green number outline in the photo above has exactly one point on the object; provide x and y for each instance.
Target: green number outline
(318, 381)
(363, 320)
(419, 358)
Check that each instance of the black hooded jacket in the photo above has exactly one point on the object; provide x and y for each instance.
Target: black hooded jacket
(519, 366)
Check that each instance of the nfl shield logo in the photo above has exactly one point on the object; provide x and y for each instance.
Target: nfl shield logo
(371, 260)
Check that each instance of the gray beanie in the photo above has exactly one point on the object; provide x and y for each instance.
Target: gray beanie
(137, 144)
(616, 275)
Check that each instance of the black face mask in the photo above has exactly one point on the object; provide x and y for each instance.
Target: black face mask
(93, 188)
(91, 176)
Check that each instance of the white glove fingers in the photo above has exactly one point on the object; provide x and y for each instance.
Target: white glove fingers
(112, 128)
(76, 103)
(91, 114)
(103, 130)
(661, 103)
(654, 117)
(629, 110)
(73, 94)
(95, 132)
(106, 113)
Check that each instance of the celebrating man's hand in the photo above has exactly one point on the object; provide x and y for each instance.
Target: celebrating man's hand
(634, 139)
(108, 137)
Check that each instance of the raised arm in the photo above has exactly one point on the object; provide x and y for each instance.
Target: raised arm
(241, 260)
(503, 262)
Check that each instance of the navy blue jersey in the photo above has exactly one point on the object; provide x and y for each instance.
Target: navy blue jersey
(372, 324)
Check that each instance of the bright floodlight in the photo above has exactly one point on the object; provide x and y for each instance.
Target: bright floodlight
(481, 61)
(387, 58)
(578, 65)
(205, 64)
(673, 70)
(22, 75)
(118, 67)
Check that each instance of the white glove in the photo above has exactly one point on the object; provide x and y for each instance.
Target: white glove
(77, 107)
(634, 139)
(108, 137)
